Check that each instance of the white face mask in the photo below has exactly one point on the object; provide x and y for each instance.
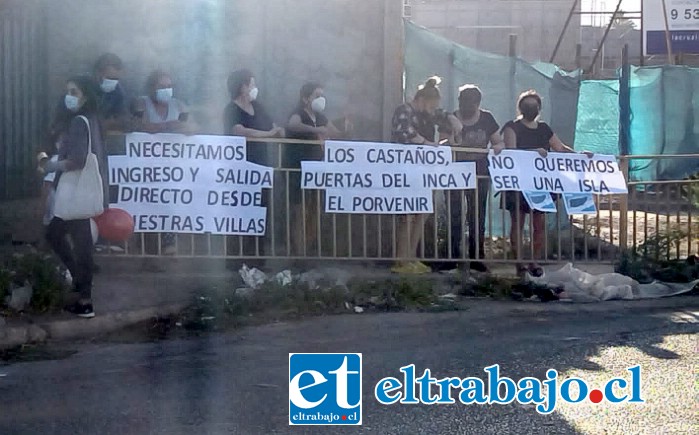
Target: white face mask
(253, 93)
(108, 85)
(318, 105)
(72, 103)
(163, 95)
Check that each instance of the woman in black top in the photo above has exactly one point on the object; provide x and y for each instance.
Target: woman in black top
(528, 133)
(306, 123)
(244, 116)
(480, 129)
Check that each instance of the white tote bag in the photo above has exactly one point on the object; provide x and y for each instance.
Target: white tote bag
(79, 194)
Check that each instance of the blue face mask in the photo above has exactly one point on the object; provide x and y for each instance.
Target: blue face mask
(72, 103)
(163, 95)
(108, 85)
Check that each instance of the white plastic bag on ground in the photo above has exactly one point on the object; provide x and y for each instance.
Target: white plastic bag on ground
(558, 277)
(612, 292)
(616, 279)
(283, 278)
(253, 278)
(20, 298)
(584, 280)
(585, 287)
(658, 289)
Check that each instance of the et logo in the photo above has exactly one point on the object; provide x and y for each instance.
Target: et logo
(325, 389)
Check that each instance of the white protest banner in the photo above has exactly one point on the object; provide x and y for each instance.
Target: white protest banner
(540, 201)
(380, 178)
(322, 175)
(557, 172)
(376, 153)
(128, 170)
(579, 203)
(247, 221)
(190, 184)
(181, 147)
(378, 201)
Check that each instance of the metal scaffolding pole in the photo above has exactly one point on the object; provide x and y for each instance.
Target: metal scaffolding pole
(606, 32)
(565, 27)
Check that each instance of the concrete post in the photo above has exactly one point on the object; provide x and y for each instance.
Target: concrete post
(393, 46)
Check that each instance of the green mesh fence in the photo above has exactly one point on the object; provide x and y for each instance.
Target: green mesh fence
(501, 79)
(664, 100)
(597, 129)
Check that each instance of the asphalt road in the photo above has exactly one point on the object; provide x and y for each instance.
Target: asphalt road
(236, 383)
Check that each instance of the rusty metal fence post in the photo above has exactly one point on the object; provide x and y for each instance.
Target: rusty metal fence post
(624, 208)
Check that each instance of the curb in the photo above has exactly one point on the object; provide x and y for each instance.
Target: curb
(81, 328)
(18, 335)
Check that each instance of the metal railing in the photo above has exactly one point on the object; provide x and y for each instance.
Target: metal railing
(658, 218)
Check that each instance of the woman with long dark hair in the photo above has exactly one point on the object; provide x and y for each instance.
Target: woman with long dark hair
(80, 101)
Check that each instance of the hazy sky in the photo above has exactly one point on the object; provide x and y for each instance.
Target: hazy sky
(605, 5)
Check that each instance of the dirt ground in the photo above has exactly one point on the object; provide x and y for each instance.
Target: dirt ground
(641, 226)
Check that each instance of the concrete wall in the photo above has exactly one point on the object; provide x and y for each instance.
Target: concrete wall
(284, 42)
(486, 24)
(353, 47)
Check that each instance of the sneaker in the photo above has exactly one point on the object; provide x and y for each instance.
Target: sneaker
(412, 268)
(81, 310)
(401, 268)
(420, 268)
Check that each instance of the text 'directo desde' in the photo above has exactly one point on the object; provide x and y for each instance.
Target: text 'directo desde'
(190, 184)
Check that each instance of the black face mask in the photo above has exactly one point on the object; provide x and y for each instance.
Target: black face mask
(529, 112)
(468, 111)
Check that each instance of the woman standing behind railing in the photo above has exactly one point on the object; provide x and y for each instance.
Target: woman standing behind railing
(306, 123)
(245, 116)
(528, 133)
(415, 123)
(160, 112)
(480, 129)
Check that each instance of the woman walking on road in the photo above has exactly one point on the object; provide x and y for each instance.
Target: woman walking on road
(82, 137)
